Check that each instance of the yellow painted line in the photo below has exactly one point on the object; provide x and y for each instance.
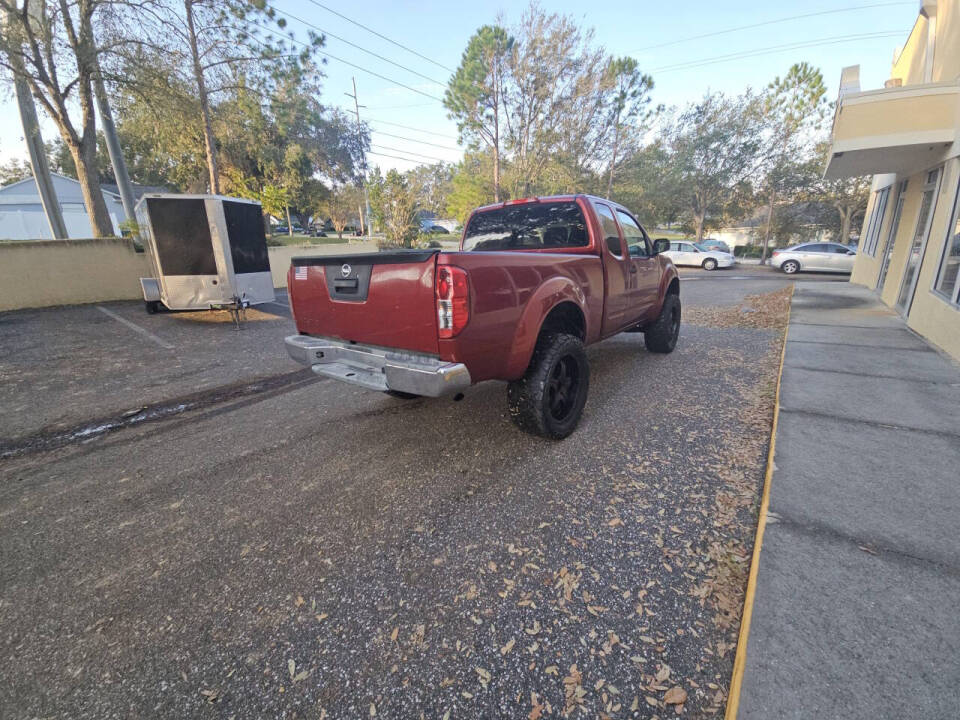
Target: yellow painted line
(740, 660)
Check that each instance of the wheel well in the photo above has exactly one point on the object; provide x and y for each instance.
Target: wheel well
(565, 318)
(674, 287)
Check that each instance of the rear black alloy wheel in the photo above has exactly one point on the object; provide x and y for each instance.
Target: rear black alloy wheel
(709, 264)
(790, 267)
(548, 400)
(661, 336)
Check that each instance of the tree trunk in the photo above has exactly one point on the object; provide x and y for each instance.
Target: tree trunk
(496, 131)
(766, 233)
(289, 224)
(84, 157)
(699, 221)
(613, 160)
(208, 140)
(846, 220)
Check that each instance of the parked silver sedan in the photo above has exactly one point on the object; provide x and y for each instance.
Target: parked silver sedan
(818, 257)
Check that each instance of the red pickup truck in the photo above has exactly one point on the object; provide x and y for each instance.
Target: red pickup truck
(535, 281)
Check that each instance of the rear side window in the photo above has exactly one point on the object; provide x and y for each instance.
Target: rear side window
(611, 233)
(529, 226)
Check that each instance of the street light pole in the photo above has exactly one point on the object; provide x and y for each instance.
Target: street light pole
(31, 135)
(113, 146)
(366, 196)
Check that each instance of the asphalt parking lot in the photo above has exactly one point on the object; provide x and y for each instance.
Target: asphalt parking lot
(283, 545)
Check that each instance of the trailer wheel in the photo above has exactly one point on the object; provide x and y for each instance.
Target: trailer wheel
(153, 306)
(548, 400)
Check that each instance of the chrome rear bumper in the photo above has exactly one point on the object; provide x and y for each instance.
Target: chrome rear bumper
(378, 368)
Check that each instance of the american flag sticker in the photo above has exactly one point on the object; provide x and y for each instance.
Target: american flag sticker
(300, 273)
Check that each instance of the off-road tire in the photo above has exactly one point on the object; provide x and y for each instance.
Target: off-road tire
(661, 336)
(548, 400)
(709, 264)
(790, 267)
(152, 306)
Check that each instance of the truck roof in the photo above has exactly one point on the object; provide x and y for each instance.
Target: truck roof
(547, 198)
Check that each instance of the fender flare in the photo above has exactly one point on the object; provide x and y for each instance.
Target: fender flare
(545, 298)
(669, 275)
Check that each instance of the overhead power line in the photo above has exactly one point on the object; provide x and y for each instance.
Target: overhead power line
(359, 47)
(410, 127)
(414, 140)
(776, 22)
(774, 49)
(395, 157)
(400, 107)
(382, 37)
(407, 152)
(395, 83)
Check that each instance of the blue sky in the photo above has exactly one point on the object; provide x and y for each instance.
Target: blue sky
(657, 34)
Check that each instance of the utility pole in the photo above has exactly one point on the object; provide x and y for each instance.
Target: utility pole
(366, 196)
(113, 145)
(38, 157)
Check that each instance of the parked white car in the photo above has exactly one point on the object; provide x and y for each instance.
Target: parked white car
(819, 257)
(684, 252)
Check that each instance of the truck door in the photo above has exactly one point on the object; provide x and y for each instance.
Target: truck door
(616, 269)
(644, 269)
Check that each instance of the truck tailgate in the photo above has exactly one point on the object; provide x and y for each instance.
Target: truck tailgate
(384, 299)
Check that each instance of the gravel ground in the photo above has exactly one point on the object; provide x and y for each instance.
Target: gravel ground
(320, 551)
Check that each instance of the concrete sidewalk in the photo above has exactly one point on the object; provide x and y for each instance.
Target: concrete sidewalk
(856, 607)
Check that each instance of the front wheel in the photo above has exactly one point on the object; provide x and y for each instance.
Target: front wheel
(709, 264)
(790, 267)
(661, 336)
(548, 400)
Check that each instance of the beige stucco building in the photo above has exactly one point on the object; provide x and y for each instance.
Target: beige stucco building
(907, 135)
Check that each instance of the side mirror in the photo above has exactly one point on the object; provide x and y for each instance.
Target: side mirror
(660, 245)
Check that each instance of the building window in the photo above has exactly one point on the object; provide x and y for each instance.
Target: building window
(892, 235)
(948, 276)
(876, 220)
(928, 204)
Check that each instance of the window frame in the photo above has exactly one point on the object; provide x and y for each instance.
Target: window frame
(643, 235)
(953, 223)
(934, 186)
(616, 223)
(877, 214)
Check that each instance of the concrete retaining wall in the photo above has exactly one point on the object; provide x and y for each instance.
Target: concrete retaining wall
(71, 272)
(68, 272)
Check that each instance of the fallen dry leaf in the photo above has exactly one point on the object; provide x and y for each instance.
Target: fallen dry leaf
(675, 696)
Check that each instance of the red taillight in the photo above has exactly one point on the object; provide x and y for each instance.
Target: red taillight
(775, 253)
(453, 300)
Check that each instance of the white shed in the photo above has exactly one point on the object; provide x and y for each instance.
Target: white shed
(22, 216)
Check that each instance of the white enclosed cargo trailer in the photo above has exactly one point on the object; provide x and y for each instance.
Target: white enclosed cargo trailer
(206, 252)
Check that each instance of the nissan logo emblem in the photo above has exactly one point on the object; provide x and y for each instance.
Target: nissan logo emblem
(345, 270)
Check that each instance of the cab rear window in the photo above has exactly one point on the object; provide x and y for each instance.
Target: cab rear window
(530, 226)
